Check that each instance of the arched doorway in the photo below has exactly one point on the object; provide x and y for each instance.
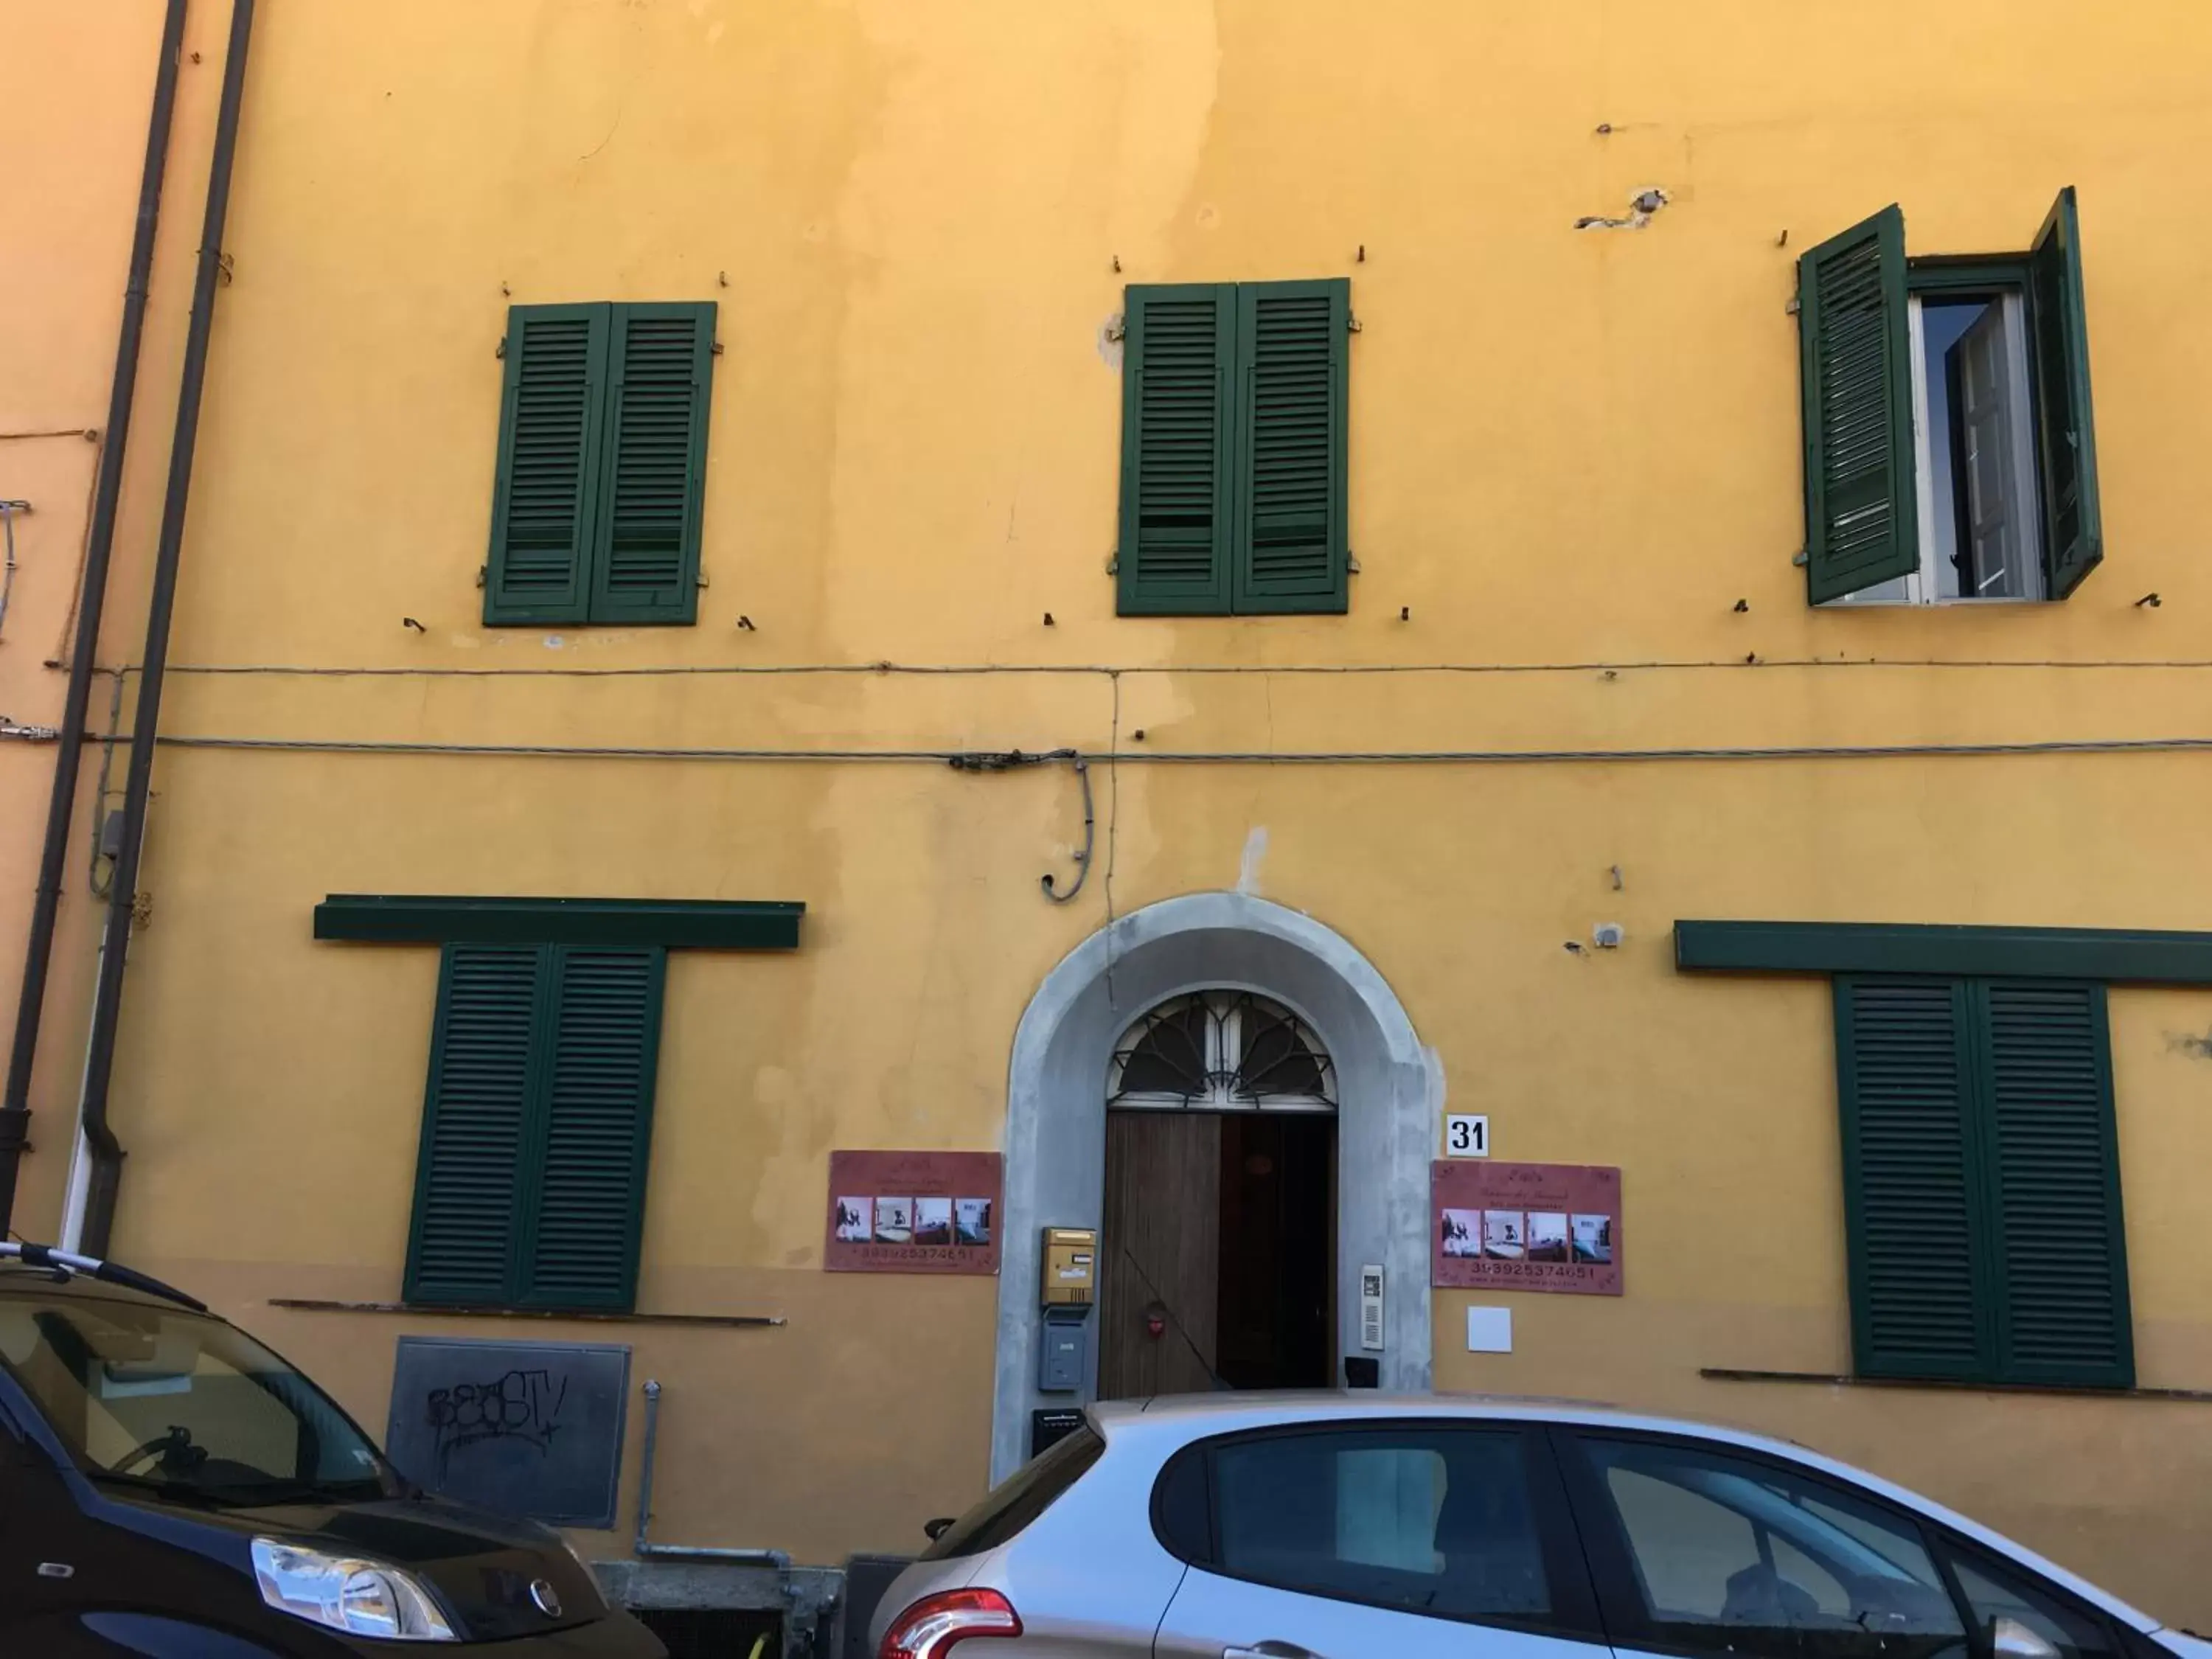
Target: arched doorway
(1218, 1228)
(1389, 1089)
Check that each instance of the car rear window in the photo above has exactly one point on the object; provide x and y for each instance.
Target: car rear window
(1018, 1499)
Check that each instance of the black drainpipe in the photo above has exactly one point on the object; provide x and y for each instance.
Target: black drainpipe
(99, 542)
(121, 899)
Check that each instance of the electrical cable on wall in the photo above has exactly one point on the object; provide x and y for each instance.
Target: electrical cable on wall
(8, 511)
(991, 761)
(1651, 665)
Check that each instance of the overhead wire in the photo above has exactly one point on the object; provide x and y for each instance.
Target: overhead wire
(990, 760)
(959, 670)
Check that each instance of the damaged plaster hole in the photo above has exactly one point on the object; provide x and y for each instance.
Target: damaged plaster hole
(1641, 207)
(1111, 333)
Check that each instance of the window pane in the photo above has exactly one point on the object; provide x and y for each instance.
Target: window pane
(1996, 1595)
(1739, 1556)
(1435, 1521)
(181, 1403)
(1022, 1497)
(1169, 1057)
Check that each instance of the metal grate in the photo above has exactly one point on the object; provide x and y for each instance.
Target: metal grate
(1221, 1051)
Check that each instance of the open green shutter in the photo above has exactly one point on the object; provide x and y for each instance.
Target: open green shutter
(468, 1179)
(653, 485)
(2058, 1239)
(589, 1178)
(545, 493)
(1904, 1071)
(1289, 546)
(1178, 345)
(2073, 523)
(1862, 509)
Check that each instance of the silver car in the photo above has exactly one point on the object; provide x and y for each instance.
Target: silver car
(1363, 1527)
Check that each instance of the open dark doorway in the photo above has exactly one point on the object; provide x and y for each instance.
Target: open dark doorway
(1219, 1251)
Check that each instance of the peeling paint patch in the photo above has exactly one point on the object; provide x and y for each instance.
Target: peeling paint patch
(1110, 335)
(1641, 207)
(1248, 868)
(2197, 1047)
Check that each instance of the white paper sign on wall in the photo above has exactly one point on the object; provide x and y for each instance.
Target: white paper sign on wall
(1371, 1307)
(1466, 1135)
(1489, 1330)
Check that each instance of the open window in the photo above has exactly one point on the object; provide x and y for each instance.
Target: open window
(1949, 447)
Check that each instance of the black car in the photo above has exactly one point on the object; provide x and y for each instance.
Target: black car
(171, 1489)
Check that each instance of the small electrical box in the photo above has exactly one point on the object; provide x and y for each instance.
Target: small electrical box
(1065, 1351)
(1051, 1425)
(1070, 1267)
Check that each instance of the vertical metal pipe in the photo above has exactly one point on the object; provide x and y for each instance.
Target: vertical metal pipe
(107, 996)
(99, 542)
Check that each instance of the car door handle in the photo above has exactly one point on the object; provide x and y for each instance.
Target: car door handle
(1270, 1651)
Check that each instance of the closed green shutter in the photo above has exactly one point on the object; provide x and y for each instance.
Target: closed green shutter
(590, 1185)
(1290, 545)
(1179, 342)
(546, 494)
(1981, 1187)
(654, 484)
(2059, 1240)
(475, 1125)
(530, 1184)
(2073, 522)
(1862, 509)
(1918, 1309)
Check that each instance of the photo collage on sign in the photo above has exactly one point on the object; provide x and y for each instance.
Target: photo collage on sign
(935, 1221)
(1527, 1235)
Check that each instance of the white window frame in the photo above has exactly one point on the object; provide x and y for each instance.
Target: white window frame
(1924, 586)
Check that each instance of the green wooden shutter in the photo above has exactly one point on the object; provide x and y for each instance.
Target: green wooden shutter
(653, 482)
(468, 1176)
(1289, 546)
(1178, 348)
(1920, 1307)
(545, 493)
(2073, 522)
(1862, 509)
(2058, 1239)
(588, 1175)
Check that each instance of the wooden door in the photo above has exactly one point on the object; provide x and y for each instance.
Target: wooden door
(1160, 1241)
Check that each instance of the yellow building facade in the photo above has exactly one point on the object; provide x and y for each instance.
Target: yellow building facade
(1462, 811)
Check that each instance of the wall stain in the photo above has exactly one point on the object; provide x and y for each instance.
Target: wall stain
(2184, 1043)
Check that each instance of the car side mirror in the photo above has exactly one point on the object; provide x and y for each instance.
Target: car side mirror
(2011, 1639)
(943, 1524)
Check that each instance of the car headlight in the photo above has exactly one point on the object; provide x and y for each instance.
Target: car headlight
(347, 1593)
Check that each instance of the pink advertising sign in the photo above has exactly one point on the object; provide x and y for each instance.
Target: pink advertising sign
(913, 1213)
(1525, 1226)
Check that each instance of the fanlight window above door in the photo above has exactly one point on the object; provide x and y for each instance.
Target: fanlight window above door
(1221, 1051)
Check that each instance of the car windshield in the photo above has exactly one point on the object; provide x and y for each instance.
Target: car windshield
(182, 1404)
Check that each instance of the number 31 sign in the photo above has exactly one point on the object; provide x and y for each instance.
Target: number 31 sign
(1467, 1136)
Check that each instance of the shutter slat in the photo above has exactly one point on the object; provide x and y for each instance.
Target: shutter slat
(544, 497)
(599, 1124)
(1861, 506)
(1176, 509)
(467, 1178)
(1906, 1146)
(2059, 1234)
(1289, 551)
(655, 471)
